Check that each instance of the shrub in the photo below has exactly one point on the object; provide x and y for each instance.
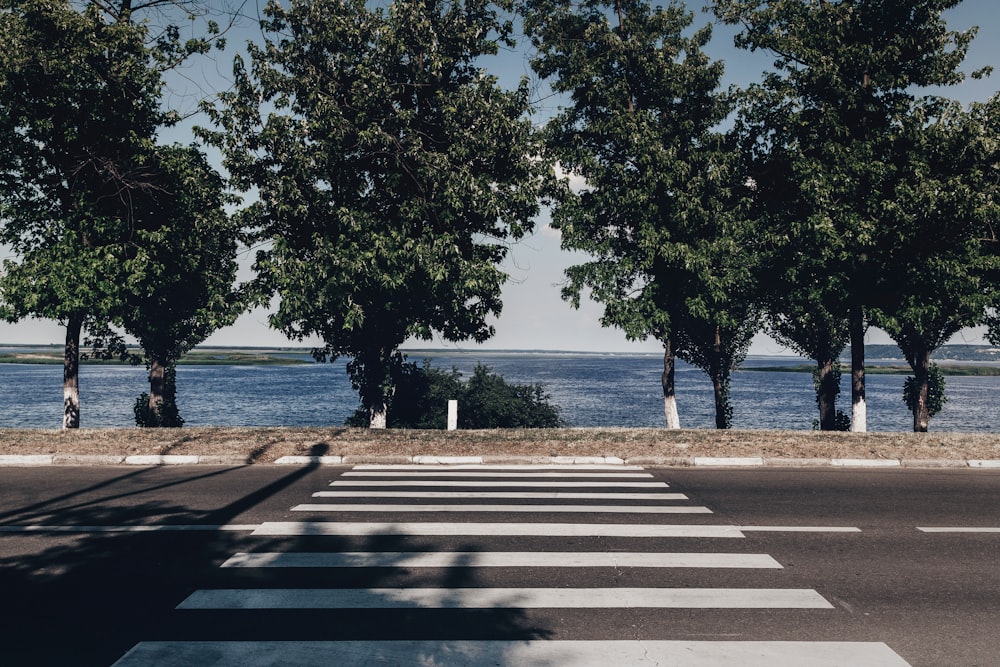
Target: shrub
(169, 415)
(421, 396)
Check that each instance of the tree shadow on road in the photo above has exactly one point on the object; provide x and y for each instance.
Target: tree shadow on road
(87, 597)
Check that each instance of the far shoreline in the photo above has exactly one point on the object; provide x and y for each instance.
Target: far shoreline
(954, 360)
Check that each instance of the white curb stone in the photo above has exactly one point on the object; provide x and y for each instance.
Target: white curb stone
(448, 460)
(25, 459)
(588, 460)
(517, 460)
(728, 461)
(307, 460)
(866, 463)
(88, 459)
(980, 463)
(160, 460)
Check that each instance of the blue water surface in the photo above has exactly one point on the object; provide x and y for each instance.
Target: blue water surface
(591, 389)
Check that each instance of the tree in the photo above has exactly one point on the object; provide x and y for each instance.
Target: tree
(391, 171)
(943, 255)
(807, 312)
(80, 101)
(179, 273)
(845, 78)
(660, 210)
(77, 102)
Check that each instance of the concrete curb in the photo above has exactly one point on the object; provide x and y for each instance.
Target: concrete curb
(866, 463)
(35, 460)
(161, 460)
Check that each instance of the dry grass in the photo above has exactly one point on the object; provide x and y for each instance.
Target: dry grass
(264, 445)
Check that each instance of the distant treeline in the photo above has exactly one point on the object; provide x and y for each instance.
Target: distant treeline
(209, 357)
(871, 369)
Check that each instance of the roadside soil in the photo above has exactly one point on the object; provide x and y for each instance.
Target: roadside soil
(265, 445)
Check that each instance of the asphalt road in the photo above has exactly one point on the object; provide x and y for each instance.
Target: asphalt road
(82, 585)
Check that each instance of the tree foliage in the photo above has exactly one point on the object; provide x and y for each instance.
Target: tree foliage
(659, 211)
(78, 103)
(942, 261)
(926, 394)
(178, 274)
(824, 127)
(391, 172)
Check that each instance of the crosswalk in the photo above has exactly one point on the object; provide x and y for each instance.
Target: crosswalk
(585, 526)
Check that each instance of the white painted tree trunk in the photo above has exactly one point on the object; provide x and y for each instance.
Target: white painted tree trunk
(378, 417)
(71, 374)
(667, 380)
(859, 410)
(859, 416)
(71, 405)
(670, 412)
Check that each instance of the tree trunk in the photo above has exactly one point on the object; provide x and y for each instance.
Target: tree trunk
(921, 411)
(378, 416)
(720, 384)
(667, 380)
(373, 392)
(826, 394)
(859, 409)
(721, 402)
(157, 385)
(71, 373)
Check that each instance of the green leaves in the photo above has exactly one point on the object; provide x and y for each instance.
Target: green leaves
(870, 197)
(391, 171)
(110, 230)
(660, 211)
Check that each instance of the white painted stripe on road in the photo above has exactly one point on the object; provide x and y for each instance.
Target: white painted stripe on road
(541, 509)
(799, 529)
(452, 559)
(487, 484)
(501, 467)
(500, 473)
(505, 598)
(160, 528)
(450, 529)
(958, 529)
(539, 495)
(465, 653)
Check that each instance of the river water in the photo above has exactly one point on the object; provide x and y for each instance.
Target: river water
(591, 389)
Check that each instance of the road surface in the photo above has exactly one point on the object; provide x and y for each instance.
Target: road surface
(499, 565)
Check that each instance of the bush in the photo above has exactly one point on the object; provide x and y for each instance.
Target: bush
(485, 401)
(168, 415)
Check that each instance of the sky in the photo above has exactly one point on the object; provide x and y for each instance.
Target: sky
(534, 316)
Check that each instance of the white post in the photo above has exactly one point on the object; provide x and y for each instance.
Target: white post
(452, 415)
